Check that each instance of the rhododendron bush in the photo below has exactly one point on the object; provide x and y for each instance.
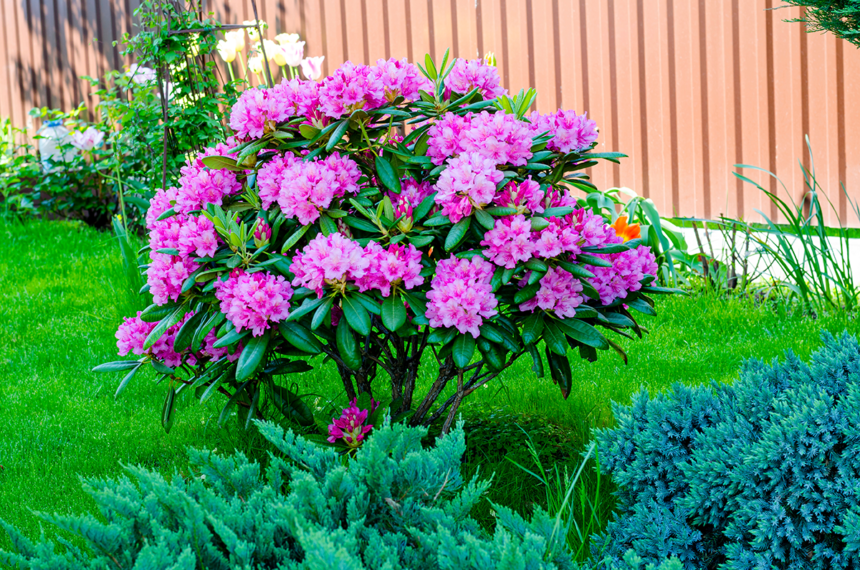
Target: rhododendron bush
(386, 218)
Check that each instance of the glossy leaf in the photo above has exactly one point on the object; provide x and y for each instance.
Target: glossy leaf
(251, 357)
(346, 346)
(300, 337)
(463, 349)
(356, 315)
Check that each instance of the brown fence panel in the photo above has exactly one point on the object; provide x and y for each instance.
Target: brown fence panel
(686, 88)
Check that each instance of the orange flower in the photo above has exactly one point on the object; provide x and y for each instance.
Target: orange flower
(624, 231)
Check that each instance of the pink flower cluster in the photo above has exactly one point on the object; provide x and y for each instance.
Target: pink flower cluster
(475, 73)
(188, 234)
(525, 197)
(132, 333)
(301, 99)
(500, 137)
(559, 292)
(167, 274)
(335, 260)
(332, 259)
(350, 425)
(570, 132)
(200, 185)
(303, 189)
(350, 88)
(400, 79)
(625, 275)
(257, 112)
(509, 241)
(254, 300)
(468, 182)
(398, 265)
(569, 234)
(460, 295)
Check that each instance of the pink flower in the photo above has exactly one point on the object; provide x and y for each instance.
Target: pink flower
(468, 181)
(167, 274)
(469, 74)
(87, 140)
(208, 349)
(399, 265)
(307, 188)
(132, 333)
(350, 425)
(560, 236)
(446, 135)
(400, 78)
(509, 241)
(200, 185)
(501, 137)
(257, 112)
(570, 132)
(526, 197)
(559, 292)
(293, 53)
(159, 204)
(270, 176)
(330, 261)
(460, 295)
(350, 88)
(301, 99)
(625, 276)
(254, 300)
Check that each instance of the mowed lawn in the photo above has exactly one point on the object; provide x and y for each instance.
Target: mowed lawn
(64, 293)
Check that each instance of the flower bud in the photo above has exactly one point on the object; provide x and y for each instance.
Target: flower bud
(262, 233)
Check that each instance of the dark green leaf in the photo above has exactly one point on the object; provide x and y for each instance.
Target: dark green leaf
(338, 133)
(233, 399)
(441, 336)
(485, 219)
(393, 312)
(251, 357)
(526, 293)
(126, 379)
(230, 338)
(306, 307)
(347, 347)
(554, 338)
(423, 208)
(463, 349)
(492, 354)
(537, 362)
(559, 368)
(186, 332)
(387, 175)
(294, 239)
(292, 406)
(154, 313)
(168, 411)
(116, 366)
(163, 325)
(300, 337)
(583, 332)
(576, 270)
(322, 313)
(586, 259)
(532, 328)
(356, 315)
(640, 305)
(457, 233)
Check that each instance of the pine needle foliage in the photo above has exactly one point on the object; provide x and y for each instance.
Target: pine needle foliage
(394, 505)
(764, 473)
(839, 17)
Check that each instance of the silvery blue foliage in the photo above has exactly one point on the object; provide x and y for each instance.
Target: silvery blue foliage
(393, 506)
(760, 474)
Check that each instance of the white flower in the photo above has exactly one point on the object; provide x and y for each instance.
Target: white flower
(312, 67)
(294, 53)
(285, 39)
(255, 64)
(87, 140)
(237, 38)
(252, 31)
(278, 56)
(140, 74)
(271, 49)
(227, 50)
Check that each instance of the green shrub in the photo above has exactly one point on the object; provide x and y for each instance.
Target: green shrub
(840, 17)
(393, 505)
(764, 473)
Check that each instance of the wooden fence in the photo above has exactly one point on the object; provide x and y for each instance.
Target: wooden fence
(686, 88)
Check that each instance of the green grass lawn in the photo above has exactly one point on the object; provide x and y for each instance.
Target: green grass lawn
(64, 293)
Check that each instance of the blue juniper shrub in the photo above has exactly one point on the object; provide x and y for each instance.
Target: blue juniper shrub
(764, 473)
(393, 505)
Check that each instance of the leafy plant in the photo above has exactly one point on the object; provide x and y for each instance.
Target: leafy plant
(394, 505)
(759, 474)
(817, 266)
(319, 230)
